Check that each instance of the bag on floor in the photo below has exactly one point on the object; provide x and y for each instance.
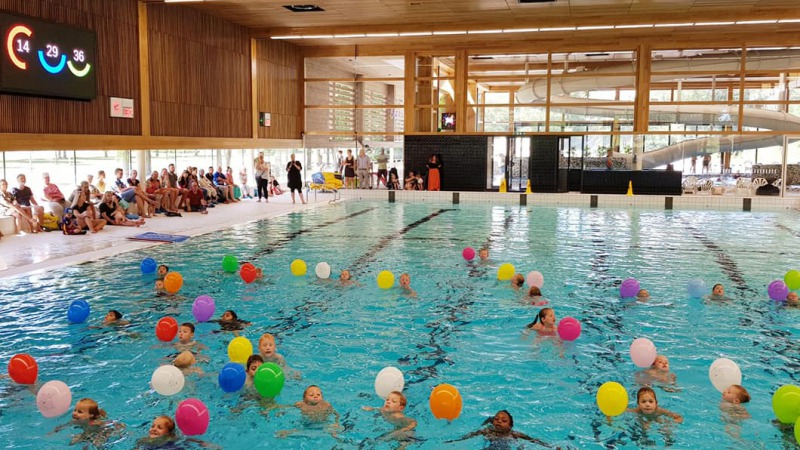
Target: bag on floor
(50, 222)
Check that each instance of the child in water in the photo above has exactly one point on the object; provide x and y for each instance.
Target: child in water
(535, 297)
(405, 285)
(499, 430)
(718, 291)
(657, 372)
(732, 399)
(186, 339)
(186, 362)
(268, 351)
(162, 434)
(483, 254)
(392, 412)
(345, 279)
(88, 416)
(231, 322)
(648, 410)
(114, 318)
(544, 323)
(160, 289)
(517, 281)
(162, 271)
(253, 363)
(792, 300)
(315, 409)
(643, 295)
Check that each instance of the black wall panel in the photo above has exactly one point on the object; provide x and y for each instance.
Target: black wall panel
(543, 167)
(463, 157)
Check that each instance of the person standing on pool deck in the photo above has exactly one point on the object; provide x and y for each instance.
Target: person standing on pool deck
(295, 180)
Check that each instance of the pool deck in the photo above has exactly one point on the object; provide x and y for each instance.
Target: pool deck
(26, 253)
(36, 252)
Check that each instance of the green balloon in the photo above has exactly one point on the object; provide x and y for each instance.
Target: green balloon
(797, 431)
(230, 264)
(269, 379)
(792, 279)
(786, 403)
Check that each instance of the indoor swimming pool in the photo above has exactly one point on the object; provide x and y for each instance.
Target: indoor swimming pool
(464, 327)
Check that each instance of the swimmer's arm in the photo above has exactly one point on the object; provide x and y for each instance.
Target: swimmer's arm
(467, 436)
(410, 424)
(61, 427)
(203, 444)
(524, 436)
(674, 416)
(369, 408)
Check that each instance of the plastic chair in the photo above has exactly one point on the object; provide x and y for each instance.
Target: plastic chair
(743, 186)
(690, 185)
(757, 183)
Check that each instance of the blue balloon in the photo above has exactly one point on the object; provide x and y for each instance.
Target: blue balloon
(78, 311)
(148, 265)
(231, 377)
(697, 288)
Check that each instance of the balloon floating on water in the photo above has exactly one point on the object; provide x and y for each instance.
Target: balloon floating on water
(445, 402)
(468, 253)
(78, 311)
(612, 398)
(53, 399)
(389, 379)
(385, 279)
(192, 417)
(643, 352)
(167, 380)
(323, 270)
(298, 267)
(23, 369)
(148, 265)
(166, 329)
(203, 308)
(629, 288)
(230, 264)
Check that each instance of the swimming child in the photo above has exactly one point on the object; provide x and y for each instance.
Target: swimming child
(544, 323)
(732, 399)
(405, 285)
(499, 431)
(186, 362)
(186, 339)
(517, 281)
(657, 372)
(718, 291)
(253, 363)
(535, 297)
(160, 289)
(643, 295)
(648, 410)
(792, 299)
(268, 351)
(314, 409)
(345, 279)
(392, 412)
(162, 434)
(162, 271)
(88, 416)
(114, 317)
(231, 322)
(483, 254)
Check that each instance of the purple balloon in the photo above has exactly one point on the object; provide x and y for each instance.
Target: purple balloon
(203, 308)
(629, 288)
(778, 290)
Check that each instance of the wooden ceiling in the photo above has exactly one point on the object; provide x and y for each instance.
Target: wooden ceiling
(270, 18)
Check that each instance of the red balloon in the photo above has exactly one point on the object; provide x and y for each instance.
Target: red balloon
(248, 273)
(23, 369)
(166, 329)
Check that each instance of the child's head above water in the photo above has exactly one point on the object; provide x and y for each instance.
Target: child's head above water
(395, 402)
(405, 280)
(518, 280)
(253, 363)
(344, 275)
(229, 316)
(736, 394)
(661, 363)
(162, 271)
(792, 298)
(160, 286)
(184, 360)
(546, 317)
(186, 333)
(718, 290)
(534, 292)
(87, 409)
(646, 400)
(112, 316)
(643, 293)
(502, 421)
(312, 395)
(483, 253)
(266, 345)
(162, 426)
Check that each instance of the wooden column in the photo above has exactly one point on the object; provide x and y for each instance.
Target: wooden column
(408, 93)
(254, 84)
(144, 71)
(641, 112)
(460, 88)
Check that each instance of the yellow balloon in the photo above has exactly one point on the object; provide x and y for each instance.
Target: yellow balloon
(612, 398)
(505, 272)
(298, 267)
(239, 350)
(385, 279)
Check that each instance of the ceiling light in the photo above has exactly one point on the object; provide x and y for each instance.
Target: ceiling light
(558, 29)
(483, 31)
(520, 30)
(597, 27)
(754, 22)
(369, 35)
(441, 33)
(686, 24)
(415, 33)
(712, 24)
(647, 25)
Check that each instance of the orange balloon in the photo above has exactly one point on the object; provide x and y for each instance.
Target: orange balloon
(445, 402)
(173, 282)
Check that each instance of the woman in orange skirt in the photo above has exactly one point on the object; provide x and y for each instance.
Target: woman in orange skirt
(434, 181)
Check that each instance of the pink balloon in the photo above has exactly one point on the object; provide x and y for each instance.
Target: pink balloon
(643, 352)
(535, 279)
(468, 253)
(53, 399)
(569, 328)
(192, 417)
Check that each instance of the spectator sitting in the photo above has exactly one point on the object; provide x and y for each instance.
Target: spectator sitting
(196, 200)
(113, 213)
(54, 196)
(8, 206)
(23, 197)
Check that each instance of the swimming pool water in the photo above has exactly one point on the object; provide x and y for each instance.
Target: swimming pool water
(463, 329)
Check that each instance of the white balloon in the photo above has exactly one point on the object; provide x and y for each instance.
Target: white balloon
(643, 352)
(723, 373)
(389, 379)
(167, 380)
(323, 270)
(535, 278)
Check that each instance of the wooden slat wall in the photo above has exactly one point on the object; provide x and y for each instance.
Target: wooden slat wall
(199, 74)
(279, 92)
(115, 22)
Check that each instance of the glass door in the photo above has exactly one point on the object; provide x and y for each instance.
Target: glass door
(518, 157)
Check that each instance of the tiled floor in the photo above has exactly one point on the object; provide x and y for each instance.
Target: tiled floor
(35, 252)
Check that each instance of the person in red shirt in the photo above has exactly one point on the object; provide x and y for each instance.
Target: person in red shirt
(196, 201)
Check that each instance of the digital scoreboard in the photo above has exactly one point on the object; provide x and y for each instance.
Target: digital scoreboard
(47, 59)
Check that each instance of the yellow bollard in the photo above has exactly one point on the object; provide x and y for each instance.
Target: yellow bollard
(630, 188)
(503, 185)
(528, 188)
